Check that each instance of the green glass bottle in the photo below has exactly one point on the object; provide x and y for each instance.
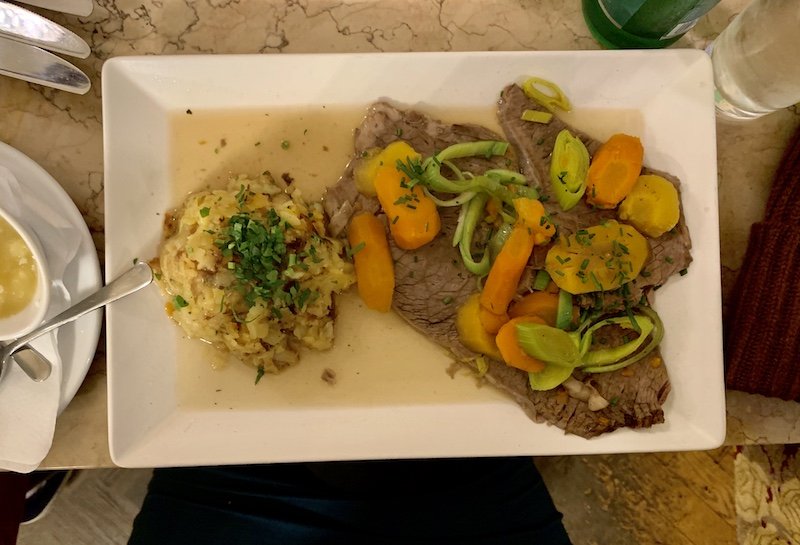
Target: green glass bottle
(642, 24)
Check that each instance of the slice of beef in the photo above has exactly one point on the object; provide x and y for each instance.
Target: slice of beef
(385, 124)
(534, 142)
(431, 284)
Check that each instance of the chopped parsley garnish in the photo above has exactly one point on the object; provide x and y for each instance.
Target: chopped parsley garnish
(411, 168)
(447, 300)
(204, 211)
(179, 302)
(312, 251)
(596, 281)
(257, 255)
(583, 237)
(285, 144)
(259, 373)
(241, 195)
(669, 260)
(355, 249)
(404, 199)
(683, 272)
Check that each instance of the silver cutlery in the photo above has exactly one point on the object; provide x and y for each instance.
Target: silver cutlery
(33, 363)
(36, 65)
(136, 278)
(75, 7)
(21, 25)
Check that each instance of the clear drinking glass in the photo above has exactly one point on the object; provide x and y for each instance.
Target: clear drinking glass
(756, 60)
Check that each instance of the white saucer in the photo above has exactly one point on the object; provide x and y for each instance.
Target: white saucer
(77, 341)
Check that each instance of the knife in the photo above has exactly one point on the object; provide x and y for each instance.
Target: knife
(75, 7)
(17, 23)
(38, 66)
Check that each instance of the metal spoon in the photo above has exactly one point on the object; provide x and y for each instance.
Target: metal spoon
(35, 365)
(139, 276)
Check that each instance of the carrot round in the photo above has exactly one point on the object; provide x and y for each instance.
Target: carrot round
(508, 344)
(413, 217)
(613, 171)
(539, 303)
(373, 261)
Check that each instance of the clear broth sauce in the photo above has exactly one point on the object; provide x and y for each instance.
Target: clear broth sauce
(377, 358)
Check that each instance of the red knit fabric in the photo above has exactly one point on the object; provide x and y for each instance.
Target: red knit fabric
(762, 325)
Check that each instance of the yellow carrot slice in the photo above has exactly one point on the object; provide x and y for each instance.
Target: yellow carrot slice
(471, 332)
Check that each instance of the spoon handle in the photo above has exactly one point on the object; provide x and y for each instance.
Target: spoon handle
(139, 276)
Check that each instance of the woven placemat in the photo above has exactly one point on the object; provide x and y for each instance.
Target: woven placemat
(762, 323)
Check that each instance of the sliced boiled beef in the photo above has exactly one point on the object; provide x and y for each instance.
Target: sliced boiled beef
(534, 142)
(432, 282)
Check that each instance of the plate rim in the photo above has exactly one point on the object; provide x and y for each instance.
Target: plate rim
(79, 366)
(714, 437)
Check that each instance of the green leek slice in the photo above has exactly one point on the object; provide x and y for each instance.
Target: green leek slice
(474, 209)
(605, 356)
(569, 167)
(536, 116)
(541, 281)
(553, 99)
(550, 377)
(548, 344)
(564, 310)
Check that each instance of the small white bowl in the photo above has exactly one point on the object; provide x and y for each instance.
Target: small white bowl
(27, 319)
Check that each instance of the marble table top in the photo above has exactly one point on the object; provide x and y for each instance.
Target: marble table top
(63, 132)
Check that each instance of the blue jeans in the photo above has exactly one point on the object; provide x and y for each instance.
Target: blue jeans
(498, 501)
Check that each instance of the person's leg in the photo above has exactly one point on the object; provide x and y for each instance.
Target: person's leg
(465, 501)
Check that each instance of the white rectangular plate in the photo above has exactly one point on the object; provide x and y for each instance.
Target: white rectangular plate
(386, 404)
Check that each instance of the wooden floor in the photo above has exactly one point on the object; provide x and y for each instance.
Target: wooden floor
(675, 499)
(642, 499)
